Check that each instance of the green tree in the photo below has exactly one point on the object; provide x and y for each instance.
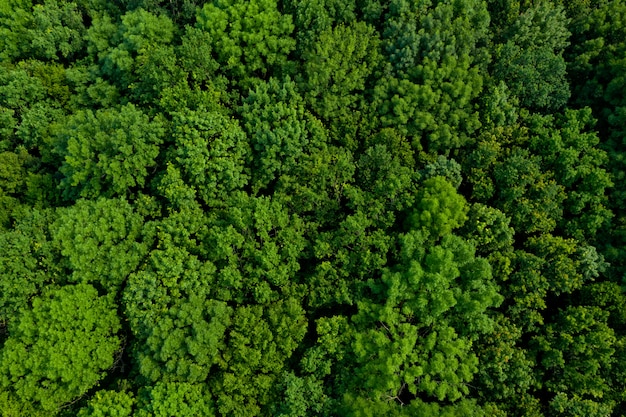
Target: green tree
(575, 406)
(174, 399)
(313, 17)
(179, 329)
(506, 369)
(261, 341)
(60, 348)
(211, 152)
(435, 53)
(250, 40)
(255, 244)
(281, 132)
(29, 262)
(414, 338)
(575, 351)
(337, 69)
(49, 30)
(530, 59)
(101, 241)
(129, 52)
(107, 153)
(105, 403)
(569, 148)
(596, 67)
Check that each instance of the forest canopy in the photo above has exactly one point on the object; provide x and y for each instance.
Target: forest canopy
(312, 208)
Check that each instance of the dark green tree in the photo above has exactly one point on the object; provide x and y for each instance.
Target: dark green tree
(435, 55)
(211, 153)
(48, 30)
(530, 59)
(107, 153)
(337, 69)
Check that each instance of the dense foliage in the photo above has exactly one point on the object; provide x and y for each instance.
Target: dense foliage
(312, 208)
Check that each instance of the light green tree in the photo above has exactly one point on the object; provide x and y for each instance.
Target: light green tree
(60, 348)
(251, 40)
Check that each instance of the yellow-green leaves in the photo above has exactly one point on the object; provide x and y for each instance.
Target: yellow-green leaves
(439, 208)
(251, 39)
(60, 348)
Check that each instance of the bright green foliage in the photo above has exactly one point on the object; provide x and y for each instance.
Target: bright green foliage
(360, 407)
(566, 265)
(530, 60)
(35, 130)
(301, 396)
(19, 90)
(195, 57)
(514, 180)
(7, 127)
(109, 404)
(101, 240)
(312, 17)
(11, 406)
(420, 338)
(186, 342)
(15, 16)
(251, 39)
(33, 93)
(211, 151)
(551, 265)
(608, 296)
(526, 291)
(174, 399)
(32, 97)
(546, 176)
(499, 106)
(489, 229)
(181, 330)
(435, 30)
(528, 194)
(312, 208)
(432, 306)
(12, 172)
(60, 348)
(107, 153)
(178, 194)
(505, 369)
(438, 208)
(563, 405)
(346, 257)
(386, 185)
(575, 352)
(421, 109)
